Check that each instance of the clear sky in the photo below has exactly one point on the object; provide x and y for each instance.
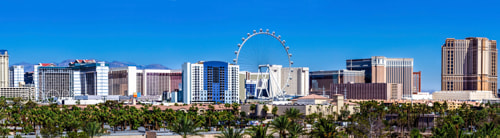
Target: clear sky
(321, 34)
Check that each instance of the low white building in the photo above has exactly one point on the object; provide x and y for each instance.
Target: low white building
(463, 95)
(27, 93)
(422, 96)
(312, 99)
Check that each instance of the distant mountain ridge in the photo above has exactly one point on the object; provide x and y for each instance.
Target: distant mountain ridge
(28, 67)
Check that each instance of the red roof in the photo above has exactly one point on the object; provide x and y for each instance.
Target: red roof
(89, 61)
(83, 61)
(46, 64)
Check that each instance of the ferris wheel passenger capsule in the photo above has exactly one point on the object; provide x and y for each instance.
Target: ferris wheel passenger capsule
(290, 55)
(291, 62)
(274, 32)
(283, 41)
(267, 30)
(235, 52)
(234, 60)
(248, 34)
(243, 39)
(239, 45)
(254, 31)
(260, 30)
(279, 36)
(287, 48)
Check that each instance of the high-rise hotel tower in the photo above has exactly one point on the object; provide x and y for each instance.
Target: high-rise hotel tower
(469, 64)
(379, 69)
(210, 82)
(4, 68)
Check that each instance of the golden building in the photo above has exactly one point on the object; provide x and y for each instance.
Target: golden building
(469, 64)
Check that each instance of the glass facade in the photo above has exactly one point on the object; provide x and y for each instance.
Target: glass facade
(361, 64)
(215, 80)
(16, 75)
(321, 80)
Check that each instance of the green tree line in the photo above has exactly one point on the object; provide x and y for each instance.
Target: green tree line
(374, 119)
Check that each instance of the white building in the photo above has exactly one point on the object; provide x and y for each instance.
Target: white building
(16, 75)
(422, 96)
(148, 82)
(210, 82)
(463, 95)
(82, 77)
(26, 93)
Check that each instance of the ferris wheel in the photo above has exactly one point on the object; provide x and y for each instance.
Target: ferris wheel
(271, 80)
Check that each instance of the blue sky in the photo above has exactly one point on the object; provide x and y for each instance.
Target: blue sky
(321, 34)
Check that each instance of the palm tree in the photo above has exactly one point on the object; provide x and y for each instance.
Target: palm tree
(252, 108)
(281, 124)
(264, 110)
(259, 132)
(415, 133)
(325, 129)
(310, 118)
(185, 126)
(235, 106)
(293, 113)
(231, 133)
(488, 130)
(275, 111)
(295, 130)
(457, 121)
(344, 114)
(93, 129)
(4, 132)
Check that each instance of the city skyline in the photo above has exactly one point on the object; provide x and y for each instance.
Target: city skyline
(38, 32)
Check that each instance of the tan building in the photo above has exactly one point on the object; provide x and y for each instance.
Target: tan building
(298, 85)
(4, 68)
(469, 64)
(332, 108)
(379, 69)
(463, 95)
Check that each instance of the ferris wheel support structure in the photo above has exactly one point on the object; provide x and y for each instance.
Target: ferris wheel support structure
(272, 79)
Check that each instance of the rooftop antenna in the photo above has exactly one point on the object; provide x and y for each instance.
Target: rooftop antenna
(323, 91)
(345, 93)
(336, 90)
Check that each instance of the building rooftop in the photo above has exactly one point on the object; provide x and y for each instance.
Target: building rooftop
(3, 52)
(81, 62)
(47, 64)
(312, 96)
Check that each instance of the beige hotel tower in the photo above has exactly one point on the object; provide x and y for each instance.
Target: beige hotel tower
(469, 64)
(4, 68)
